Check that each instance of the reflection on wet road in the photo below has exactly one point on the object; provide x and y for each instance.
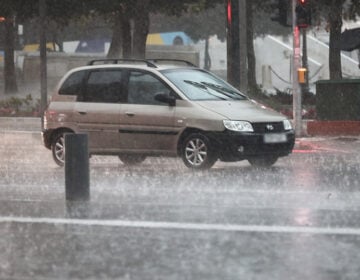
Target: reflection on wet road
(159, 220)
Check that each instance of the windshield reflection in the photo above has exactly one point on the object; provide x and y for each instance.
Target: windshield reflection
(209, 87)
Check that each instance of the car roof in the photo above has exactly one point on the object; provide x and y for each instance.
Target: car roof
(149, 62)
(154, 64)
(131, 66)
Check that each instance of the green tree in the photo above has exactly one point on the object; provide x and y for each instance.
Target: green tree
(208, 18)
(59, 12)
(9, 65)
(130, 21)
(331, 11)
(335, 24)
(12, 12)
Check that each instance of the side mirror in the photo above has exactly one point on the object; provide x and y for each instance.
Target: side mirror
(166, 98)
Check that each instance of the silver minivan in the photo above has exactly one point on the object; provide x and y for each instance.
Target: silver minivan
(134, 109)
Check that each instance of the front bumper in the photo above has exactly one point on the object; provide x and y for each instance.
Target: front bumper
(233, 146)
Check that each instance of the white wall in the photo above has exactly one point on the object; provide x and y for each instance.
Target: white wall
(274, 60)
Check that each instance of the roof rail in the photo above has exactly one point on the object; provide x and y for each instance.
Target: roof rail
(155, 60)
(119, 60)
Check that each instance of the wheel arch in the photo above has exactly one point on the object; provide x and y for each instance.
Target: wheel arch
(185, 134)
(191, 130)
(58, 131)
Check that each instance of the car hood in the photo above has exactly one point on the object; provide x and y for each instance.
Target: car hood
(242, 110)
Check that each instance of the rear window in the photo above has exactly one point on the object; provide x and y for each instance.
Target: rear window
(104, 86)
(73, 84)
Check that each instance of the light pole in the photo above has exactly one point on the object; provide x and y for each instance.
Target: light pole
(305, 85)
(295, 82)
(243, 46)
(43, 68)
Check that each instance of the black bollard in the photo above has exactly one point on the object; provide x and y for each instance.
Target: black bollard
(77, 209)
(77, 179)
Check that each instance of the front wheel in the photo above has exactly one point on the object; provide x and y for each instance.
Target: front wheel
(264, 161)
(197, 152)
(132, 159)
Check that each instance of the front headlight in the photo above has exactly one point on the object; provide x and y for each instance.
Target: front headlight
(242, 126)
(287, 125)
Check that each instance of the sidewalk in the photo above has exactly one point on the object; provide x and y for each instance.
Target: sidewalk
(20, 124)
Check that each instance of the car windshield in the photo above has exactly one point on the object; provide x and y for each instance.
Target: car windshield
(201, 85)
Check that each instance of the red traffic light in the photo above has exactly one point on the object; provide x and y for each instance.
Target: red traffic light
(229, 11)
(2, 19)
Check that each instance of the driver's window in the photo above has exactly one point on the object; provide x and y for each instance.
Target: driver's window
(143, 87)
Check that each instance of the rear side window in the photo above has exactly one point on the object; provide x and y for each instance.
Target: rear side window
(104, 86)
(73, 84)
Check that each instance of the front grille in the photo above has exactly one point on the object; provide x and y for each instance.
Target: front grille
(269, 127)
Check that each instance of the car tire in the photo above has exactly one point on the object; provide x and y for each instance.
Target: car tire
(132, 159)
(264, 161)
(58, 148)
(197, 152)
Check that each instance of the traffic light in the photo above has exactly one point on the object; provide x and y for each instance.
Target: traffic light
(281, 12)
(303, 13)
(229, 13)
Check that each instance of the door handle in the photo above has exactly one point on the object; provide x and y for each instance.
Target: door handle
(129, 114)
(82, 113)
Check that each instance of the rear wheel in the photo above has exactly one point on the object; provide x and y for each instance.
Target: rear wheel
(132, 159)
(264, 161)
(58, 148)
(197, 152)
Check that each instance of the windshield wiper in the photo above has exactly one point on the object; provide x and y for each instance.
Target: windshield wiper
(223, 90)
(204, 88)
(196, 84)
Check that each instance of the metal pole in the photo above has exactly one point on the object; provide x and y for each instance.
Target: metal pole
(296, 66)
(305, 87)
(243, 46)
(43, 69)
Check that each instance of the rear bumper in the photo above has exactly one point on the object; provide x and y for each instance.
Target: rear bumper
(238, 146)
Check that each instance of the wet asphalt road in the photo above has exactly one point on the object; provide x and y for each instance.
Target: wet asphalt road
(297, 220)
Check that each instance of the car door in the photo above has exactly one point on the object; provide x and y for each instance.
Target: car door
(147, 124)
(97, 111)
